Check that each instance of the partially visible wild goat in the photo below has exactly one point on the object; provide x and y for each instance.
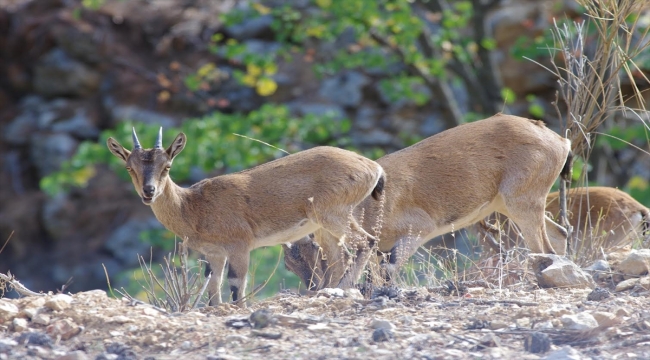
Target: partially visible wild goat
(504, 164)
(601, 217)
(227, 216)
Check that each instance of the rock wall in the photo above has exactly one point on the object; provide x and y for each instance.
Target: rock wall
(67, 73)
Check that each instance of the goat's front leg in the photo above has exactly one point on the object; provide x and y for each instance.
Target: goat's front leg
(216, 266)
(237, 271)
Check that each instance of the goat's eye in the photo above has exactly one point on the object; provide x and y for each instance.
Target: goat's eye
(128, 168)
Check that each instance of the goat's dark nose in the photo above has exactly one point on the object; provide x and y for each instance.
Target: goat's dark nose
(149, 190)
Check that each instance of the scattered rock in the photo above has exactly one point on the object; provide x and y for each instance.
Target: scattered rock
(344, 89)
(537, 343)
(523, 323)
(382, 334)
(41, 319)
(74, 355)
(238, 323)
(123, 351)
(497, 324)
(6, 345)
(20, 324)
(488, 341)
(557, 271)
(331, 292)
(382, 324)
(59, 302)
(626, 284)
(57, 74)
(622, 312)
(266, 335)
(565, 353)
(598, 269)
(35, 338)
(49, 151)
(580, 321)
(7, 310)
(64, 328)
(636, 263)
(605, 319)
(390, 292)
(261, 318)
(353, 294)
(599, 294)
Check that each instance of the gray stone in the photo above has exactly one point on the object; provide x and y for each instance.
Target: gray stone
(636, 263)
(125, 244)
(59, 75)
(580, 321)
(49, 151)
(23, 126)
(375, 137)
(74, 355)
(432, 125)
(367, 118)
(557, 271)
(345, 89)
(598, 269)
(7, 310)
(382, 324)
(302, 109)
(260, 47)
(137, 114)
(251, 27)
(565, 353)
(59, 302)
(80, 125)
(55, 216)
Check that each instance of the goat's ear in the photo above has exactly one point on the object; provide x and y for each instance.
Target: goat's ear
(177, 145)
(117, 149)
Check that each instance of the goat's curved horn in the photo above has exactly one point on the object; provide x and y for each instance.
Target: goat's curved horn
(136, 143)
(159, 139)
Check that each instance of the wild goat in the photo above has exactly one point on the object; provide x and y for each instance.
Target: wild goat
(503, 164)
(227, 216)
(600, 216)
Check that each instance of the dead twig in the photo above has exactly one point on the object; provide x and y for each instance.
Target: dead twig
(17, 286)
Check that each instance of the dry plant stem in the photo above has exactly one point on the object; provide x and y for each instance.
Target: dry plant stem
(17, 286)
(7, 241)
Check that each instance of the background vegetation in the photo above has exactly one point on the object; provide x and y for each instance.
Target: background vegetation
(420, 53)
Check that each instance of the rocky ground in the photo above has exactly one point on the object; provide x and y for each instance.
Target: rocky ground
(607, 319)
(416, 323)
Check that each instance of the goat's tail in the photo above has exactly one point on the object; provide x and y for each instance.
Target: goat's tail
(567, 170)
(379, 188)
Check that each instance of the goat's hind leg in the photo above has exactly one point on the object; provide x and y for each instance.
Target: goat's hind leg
(237, 272)
(216, 266)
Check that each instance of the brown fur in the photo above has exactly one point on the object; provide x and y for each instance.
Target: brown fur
(504, 164)
(227, 216)
(601, 216)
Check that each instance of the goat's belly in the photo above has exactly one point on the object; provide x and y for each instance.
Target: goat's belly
(291, 234)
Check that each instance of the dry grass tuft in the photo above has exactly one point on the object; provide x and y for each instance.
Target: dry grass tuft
(178, 287)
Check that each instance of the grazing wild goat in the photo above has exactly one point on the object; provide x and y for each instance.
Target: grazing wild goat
(505, 164)
(227, 216)
(601, 217)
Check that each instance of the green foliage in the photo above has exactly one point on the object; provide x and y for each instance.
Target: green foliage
(394, 21)
(620, 137)
(263, 261)
(212, 144)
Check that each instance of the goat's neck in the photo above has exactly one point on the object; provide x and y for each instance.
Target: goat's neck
(168, 208)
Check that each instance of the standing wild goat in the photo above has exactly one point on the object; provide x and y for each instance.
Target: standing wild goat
(601, 217)
(504, 164)
(227, 216)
